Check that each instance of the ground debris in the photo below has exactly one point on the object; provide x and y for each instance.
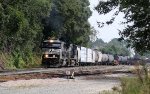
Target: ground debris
(60, 72)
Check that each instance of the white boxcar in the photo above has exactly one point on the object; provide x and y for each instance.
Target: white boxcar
(79, 54)
(99, 57)
(86, 55)
(83, 54)
(96, 56)
(89, 55)
(93, 56)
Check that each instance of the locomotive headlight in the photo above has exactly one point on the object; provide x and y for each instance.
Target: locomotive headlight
(46, 56)
(51, 40)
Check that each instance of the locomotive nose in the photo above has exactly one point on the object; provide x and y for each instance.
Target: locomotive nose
(46, 56)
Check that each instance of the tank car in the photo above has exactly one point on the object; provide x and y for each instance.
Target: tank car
(124, 60)
(110, 59)
(105, 59)
(121, 59)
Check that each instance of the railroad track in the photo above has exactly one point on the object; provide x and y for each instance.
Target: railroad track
(57, 72)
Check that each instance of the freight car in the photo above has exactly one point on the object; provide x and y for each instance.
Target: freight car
(57, 53)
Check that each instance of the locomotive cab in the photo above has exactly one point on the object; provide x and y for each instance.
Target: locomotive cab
(53, 53)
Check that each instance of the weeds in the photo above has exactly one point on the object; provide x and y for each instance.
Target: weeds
(109, 92)
(139, 84)
(18, 60)
(135, 85)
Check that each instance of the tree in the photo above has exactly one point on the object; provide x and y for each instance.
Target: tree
(69, 21)
(113, 47)
(117, 47)
(99, 43)
(20, 23)
(21, 29)
(137, 15)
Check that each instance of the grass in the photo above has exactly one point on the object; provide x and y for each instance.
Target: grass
(135, 85)
(139, 84)
(18, 61)
(110, 92)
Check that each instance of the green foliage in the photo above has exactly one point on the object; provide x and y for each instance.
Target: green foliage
(113, 47)
(117, 47)
(21, 29)
(138, 85)
(17, 60)
(21, 23)
(130, 86)
(137, 15)
(99, 43)
(69, 21)
(147, 54)
(109, 92)
(134, 85)
(7, 61)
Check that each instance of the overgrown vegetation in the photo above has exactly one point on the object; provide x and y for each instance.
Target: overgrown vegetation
(138, 85)
(21, 31)
(134, 85)
(15, 61)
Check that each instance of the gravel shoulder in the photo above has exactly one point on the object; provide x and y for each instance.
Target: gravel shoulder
(91, 84)
(81, 85)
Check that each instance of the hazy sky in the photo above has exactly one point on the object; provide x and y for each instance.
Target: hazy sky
(108, 32)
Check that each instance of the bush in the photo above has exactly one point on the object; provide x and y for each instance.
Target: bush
(134, 85)
(18, 60)
(138, 85)
(7, 61)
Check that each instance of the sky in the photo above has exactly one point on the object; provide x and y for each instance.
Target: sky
(109, 31)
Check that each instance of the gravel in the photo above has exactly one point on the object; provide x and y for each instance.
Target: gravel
(80, 85)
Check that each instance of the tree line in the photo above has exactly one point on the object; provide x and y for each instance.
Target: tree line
(114, 47)
(25, 23)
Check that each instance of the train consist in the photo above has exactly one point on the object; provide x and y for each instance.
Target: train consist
(56, 53)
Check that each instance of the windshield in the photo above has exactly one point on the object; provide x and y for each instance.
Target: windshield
(51, 45)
